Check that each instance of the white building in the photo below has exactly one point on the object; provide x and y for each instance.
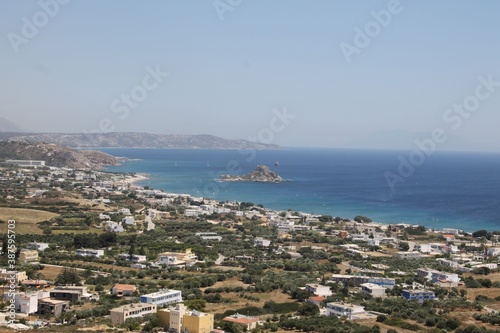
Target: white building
(124, 211)
(373, 289)
(28, 302)
(344, 310)
(208, 236)
(190, 212)
(259, 241)
(433, 275)
(318, 289)
(450, 231)
(89, 253)
(162, 297)
(135, 257)
(120, 314)
(129, 220)
(494, 251)
(113, 226)
(37, 246)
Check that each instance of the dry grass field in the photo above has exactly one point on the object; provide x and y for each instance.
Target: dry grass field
(26, 219)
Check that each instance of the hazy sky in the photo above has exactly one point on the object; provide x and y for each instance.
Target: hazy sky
(70, 67)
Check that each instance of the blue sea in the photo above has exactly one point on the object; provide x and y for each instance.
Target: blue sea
(446, 189)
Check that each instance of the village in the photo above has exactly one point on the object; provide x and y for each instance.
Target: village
(93, 249)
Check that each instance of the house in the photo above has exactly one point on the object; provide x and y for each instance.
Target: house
(409, 255)
(316, 299)
(113, 226)
(35, 283)
(259, 241)
(209, 236)
(136, 258)
(124, 211)
(435, 276)
(26, 256)
(120, 314)
(123, 289)
(318, 290)
(90, 253)
(48, 306)
(342, 309)
(72, 293)
(373, 290)
(162, 297)
(358, 280)
(128, 220)
(37, 246)
(493, 251)
(177, 258)
(246, 322)
(28, 302)
(455, 232)
(179, 319)
(19, 276)
(190, 212)
(419, 295)
(449, 237)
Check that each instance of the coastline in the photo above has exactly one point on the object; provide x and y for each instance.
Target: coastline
(132, 180)
(329, 182)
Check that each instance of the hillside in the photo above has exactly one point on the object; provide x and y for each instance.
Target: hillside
(55, 155)
(137, 140)
(9, 126)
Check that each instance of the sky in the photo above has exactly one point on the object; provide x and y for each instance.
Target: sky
(293, 73)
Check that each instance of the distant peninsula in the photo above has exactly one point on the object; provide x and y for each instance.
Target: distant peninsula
(262, 174)
(137, 140)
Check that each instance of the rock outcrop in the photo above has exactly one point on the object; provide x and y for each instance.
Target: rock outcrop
(261, 174)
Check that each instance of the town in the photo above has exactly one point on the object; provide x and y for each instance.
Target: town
(91, 249)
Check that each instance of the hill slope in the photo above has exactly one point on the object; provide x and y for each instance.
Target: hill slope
(137, 140)
(55, 155)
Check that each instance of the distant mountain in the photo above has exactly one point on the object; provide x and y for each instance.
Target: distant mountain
(137, 140)
(55, 155)
(9, 126)
(405, 140)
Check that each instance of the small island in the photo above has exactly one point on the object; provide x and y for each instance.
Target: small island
(261, 174)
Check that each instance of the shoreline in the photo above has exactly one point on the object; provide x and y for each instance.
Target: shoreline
(176, 181)
(132, 180)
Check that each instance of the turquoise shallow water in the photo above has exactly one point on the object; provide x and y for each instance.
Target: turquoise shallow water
(459, 190)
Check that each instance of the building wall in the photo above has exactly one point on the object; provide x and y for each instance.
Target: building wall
(195, 324)
(164, 317)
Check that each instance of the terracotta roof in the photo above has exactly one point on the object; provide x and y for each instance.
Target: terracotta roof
(242, 320)
(317, 298)
(124, 287)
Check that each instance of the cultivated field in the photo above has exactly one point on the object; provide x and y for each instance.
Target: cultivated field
(26, 219)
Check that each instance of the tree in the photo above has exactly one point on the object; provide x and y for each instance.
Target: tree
(480, 233)
(362, 219)
(308, 309)
(68, 276)
(404, 246)
(131, 251)
(300, 294)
